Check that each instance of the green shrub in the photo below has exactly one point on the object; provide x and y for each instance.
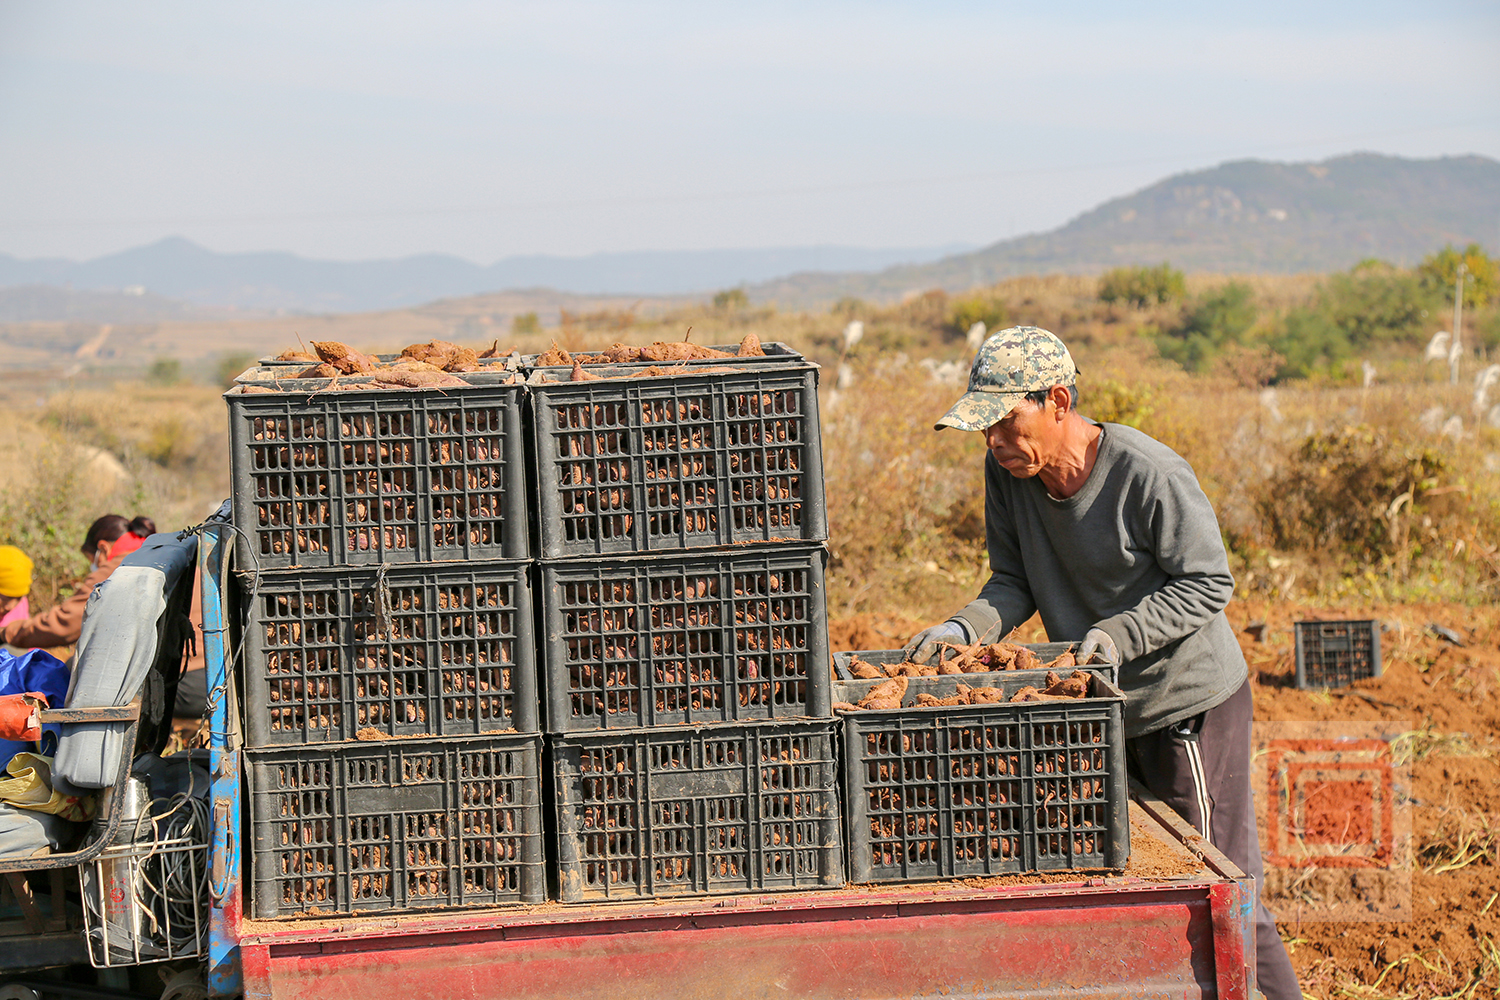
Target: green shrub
(850, 307)
(1372, 304)
(525, 323)
(1375, 302)
(230, 365)
(1142, 286)
(927, 311)
(1484, 330)
(1219, 318)
(47, 520)
(1350, 490)
(978, 307)
(164, 371)
(1108, 401)
(168, 443)
(1439, 272)
(1308, 340)
(731, 300)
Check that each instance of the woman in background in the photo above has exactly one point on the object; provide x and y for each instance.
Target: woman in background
(109, 540)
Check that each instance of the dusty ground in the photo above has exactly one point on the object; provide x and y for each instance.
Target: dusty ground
(1448, 698)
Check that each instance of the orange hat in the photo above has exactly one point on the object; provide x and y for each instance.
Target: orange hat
(15, 572)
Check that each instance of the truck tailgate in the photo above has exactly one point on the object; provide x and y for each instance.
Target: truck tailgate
(1183, 935)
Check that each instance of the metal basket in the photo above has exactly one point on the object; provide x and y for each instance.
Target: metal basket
(145, 897)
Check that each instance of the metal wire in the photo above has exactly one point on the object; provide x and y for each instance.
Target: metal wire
(163, 854)
(174, 900)
(233, 656)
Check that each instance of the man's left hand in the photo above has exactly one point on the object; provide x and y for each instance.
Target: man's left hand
(1098, 647)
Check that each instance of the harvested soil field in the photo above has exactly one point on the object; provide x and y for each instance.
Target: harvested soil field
(1445, 696)
(1446, 700)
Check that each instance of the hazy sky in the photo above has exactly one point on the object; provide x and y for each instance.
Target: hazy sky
(357, 130)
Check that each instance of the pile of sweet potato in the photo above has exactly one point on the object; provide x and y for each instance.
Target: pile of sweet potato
(659, 352)
(420, 366)
(890, 694)
(975, 659)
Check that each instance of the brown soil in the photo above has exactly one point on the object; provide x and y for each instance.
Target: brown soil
(1430, 686)
(1447, 947)
(871, 631)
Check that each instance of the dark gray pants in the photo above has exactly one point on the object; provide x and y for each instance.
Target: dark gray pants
(1201, 768)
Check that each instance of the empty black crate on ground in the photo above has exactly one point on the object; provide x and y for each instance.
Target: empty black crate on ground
(1334, 654)
(398, 825)
(337, 478)
(697, 810)
(972, 790)
(717, 457)
(442, 650)
(683, 639)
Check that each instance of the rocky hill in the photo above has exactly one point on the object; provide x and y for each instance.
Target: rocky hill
(1245, 216)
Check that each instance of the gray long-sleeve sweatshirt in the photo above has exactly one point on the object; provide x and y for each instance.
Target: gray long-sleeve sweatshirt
(1137, 552)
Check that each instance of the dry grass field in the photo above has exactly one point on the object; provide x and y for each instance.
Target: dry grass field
(1336, 498)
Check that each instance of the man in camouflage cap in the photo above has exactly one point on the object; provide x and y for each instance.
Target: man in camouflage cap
(1106, 533)
(1010, 364)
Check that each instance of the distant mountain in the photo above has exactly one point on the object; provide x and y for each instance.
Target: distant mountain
(176, 268)
(48, 303)
(1245, 216)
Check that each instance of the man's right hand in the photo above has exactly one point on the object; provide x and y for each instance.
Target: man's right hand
(921, 647)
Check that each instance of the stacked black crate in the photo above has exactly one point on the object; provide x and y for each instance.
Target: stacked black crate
(392, 731)
(685, 641)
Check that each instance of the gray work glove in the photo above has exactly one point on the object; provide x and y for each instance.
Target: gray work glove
(1098, 647)
(921, 647)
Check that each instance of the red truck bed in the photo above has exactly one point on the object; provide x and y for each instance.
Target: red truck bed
(1183, 934)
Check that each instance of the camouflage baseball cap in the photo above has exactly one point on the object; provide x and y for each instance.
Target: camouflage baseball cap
(1009, 364)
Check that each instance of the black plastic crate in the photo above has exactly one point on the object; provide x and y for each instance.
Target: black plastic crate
(1335, 654)
(974, 790)
(679, 461)
(378, 476)
(775, 352)
(697, 810)
(685, 639)
(397, 825)
(1044, 651)
(442, 650)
